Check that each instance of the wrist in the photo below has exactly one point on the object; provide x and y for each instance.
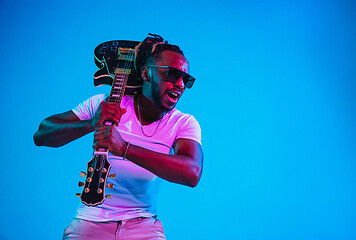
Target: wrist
(90, 126)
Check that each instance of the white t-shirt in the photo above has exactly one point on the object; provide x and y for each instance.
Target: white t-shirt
(135, 188)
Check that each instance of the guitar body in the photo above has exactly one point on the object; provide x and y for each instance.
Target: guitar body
(108, 57)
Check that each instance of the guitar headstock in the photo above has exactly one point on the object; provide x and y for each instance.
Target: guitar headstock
(95, 183)
(116, 54)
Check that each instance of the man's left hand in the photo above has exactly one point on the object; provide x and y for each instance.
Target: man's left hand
(110, 138)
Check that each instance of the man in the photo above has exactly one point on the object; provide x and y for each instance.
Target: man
(149, 140)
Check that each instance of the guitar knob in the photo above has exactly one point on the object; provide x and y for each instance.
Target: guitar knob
(114, 49)
(110, 185)
(102, 51)
(112, 175)
(82, 174)
(80, 184)
(108, 196)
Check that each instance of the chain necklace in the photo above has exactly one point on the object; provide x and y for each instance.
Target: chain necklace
(139, 118)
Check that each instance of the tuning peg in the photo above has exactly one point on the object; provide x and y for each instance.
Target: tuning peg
(110, 185)
(80, 184)
(112, 175)
(99, 191)
(82, 174)
(78, 194)
(108, 196)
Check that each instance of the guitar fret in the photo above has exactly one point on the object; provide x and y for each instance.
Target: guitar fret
(101, 153)
(117, 90)
(118, 86)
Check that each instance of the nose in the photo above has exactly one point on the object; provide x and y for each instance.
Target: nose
(180, 83)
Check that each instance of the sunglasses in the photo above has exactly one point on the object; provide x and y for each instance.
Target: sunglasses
(174, 74)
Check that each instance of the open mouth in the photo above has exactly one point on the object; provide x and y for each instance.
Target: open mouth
(173, 95)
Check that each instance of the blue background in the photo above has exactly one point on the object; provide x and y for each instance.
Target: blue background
(275, 97)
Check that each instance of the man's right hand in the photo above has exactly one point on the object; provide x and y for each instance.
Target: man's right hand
(107, 111)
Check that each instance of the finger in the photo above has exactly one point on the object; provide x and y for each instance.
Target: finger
(101, 129)
(99, 137)
(114, 119)
(111, 112)
(112, 107)
(110, 116)
(100, 144)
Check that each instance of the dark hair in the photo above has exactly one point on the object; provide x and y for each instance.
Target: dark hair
(149, 48)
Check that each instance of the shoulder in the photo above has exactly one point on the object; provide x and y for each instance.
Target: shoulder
(98, 98)
(181, 118)
(86, 109)
(94, 100)
(185, 124)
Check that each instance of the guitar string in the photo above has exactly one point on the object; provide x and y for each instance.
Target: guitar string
(127, 63)
(102, 159)
(126, 67)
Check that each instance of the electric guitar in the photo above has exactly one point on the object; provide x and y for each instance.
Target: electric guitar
(116, 62)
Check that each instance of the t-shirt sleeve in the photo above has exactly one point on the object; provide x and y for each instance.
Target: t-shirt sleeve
(87, 109)
(190, 129)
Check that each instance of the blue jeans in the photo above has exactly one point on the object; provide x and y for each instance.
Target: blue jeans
(132, 229)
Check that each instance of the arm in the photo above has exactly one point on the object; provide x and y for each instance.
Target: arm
(60, 129)
(184, 167)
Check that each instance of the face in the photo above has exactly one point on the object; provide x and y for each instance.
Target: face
(164, 94)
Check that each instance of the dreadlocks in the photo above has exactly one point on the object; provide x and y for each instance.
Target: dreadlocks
(147, 50)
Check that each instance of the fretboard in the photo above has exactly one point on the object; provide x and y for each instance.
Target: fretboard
(119, 85)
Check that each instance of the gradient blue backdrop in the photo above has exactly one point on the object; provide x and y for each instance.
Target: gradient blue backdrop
(275, 97)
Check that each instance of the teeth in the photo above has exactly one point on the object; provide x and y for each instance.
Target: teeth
(173, 94)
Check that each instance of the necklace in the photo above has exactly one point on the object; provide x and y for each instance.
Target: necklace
(139, 118)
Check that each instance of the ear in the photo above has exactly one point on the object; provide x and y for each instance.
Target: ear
(145, 74)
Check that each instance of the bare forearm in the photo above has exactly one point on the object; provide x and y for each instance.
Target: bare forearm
(56, 132)
(174, 168)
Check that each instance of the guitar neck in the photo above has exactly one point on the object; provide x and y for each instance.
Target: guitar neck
(116, 94)
(119, 85)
